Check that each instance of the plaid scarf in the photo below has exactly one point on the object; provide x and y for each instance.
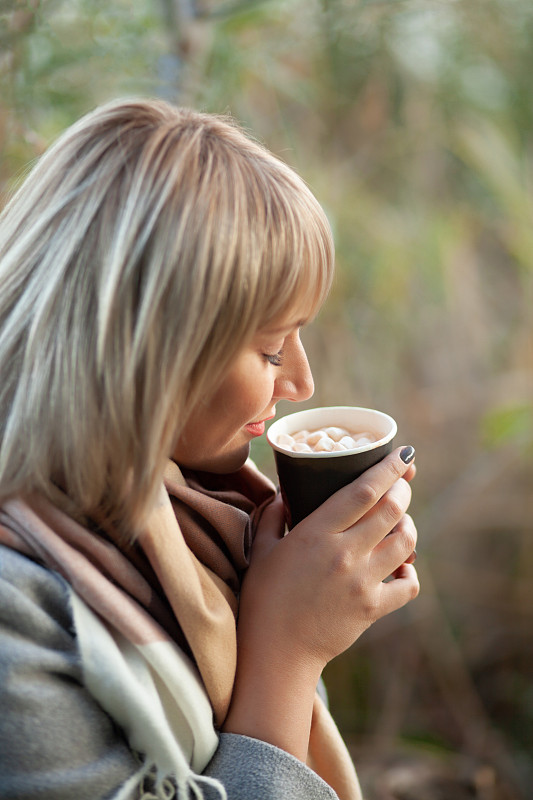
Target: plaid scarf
(178, 584)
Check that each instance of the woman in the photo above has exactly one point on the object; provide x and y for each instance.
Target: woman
(156, 268)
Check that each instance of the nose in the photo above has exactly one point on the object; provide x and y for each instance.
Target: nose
(295, 380)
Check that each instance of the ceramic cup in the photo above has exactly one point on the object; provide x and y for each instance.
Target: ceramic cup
(308, 479)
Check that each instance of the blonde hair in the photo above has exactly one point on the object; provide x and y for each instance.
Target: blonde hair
(143, 250)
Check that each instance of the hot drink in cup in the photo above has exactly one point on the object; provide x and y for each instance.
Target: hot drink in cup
(320, 450)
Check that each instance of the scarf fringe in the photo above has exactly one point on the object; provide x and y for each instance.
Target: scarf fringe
(203, 779)
(165, 787)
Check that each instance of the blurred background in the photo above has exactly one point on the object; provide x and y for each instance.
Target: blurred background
(412, 121)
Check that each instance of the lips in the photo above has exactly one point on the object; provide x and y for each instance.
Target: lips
(258, 428)
(255, 428)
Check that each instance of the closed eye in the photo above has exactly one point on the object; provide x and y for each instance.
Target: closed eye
(274, 358)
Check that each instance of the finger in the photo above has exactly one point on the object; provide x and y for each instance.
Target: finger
(271, 526)
(383, 518)
(410, 474)
(395, 549)
(401, 590)
(352, 502)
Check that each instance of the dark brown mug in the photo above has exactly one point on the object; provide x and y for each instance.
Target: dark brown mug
(307, 479)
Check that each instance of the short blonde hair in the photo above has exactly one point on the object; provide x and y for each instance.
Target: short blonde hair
(142, 251)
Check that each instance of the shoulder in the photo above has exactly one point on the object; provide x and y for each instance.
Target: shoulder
(34, 601)
(251, 768)
(55, 741)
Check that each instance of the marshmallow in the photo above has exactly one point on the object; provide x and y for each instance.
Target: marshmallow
(335, 433)
(314, 437)
(300, 436)
(324, 445)
(301, 447)
(348, 442)
(327, 440)
(285, 440)
(361, 440)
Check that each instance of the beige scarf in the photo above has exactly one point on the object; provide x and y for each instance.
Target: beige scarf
(185, 573)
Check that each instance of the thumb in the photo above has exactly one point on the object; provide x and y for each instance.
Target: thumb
(270, 528)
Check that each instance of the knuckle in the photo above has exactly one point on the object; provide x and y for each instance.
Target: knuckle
(342, 563)
(365, 601)
(370, 609)
(396, 501)
(393, 509)
(365, 494)
(411, 540)
(408, 537)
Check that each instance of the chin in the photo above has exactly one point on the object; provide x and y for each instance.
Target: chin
(225, 463)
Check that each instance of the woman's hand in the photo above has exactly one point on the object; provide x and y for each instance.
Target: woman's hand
(321, 585)
(309, 595)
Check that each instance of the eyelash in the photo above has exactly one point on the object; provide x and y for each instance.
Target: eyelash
(274, 358)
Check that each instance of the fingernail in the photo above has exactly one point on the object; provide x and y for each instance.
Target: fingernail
(407, 454)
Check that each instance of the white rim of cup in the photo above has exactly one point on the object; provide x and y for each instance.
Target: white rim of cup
(299, 418)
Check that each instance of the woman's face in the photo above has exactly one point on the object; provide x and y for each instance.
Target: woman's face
(272, 367)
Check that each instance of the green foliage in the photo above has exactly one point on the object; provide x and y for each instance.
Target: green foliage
(62, 58)
(509, 425)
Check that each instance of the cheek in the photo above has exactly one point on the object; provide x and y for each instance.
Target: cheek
(244, 403)
(242, 397)
(246, 392)
(259, 393)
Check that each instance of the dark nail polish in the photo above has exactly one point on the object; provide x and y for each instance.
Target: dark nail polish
(407, 454)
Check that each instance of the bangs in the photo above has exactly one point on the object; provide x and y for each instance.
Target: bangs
(298, 263)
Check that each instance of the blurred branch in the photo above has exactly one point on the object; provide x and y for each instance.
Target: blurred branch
(179, 16)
